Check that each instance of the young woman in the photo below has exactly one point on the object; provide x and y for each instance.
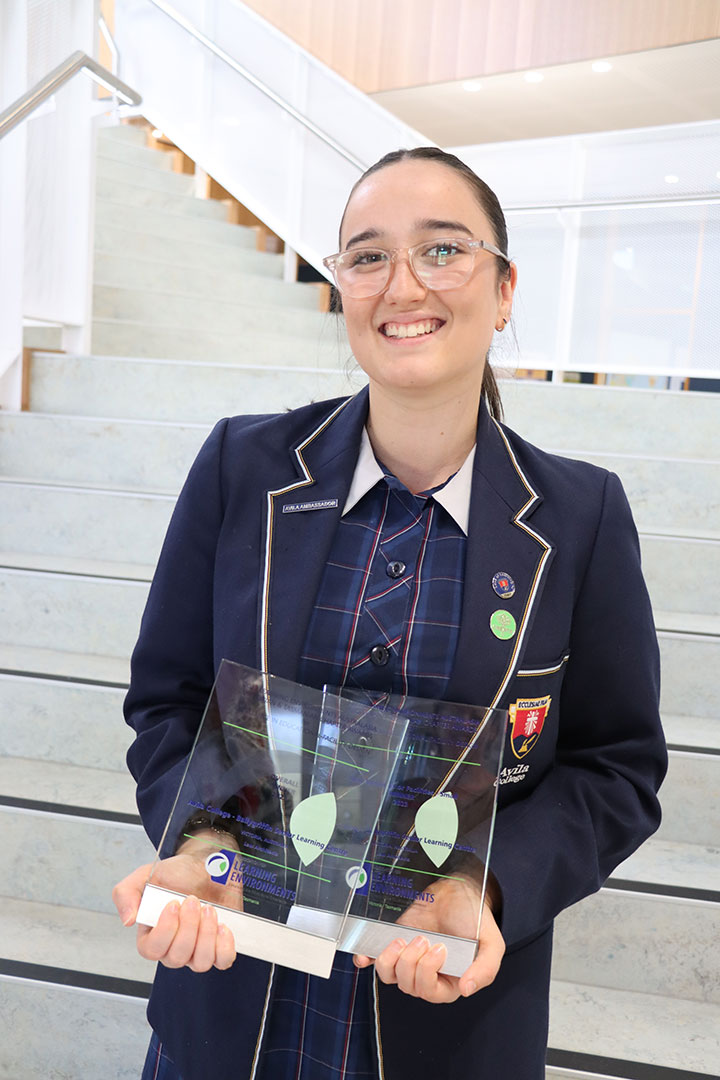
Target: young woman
(518, 579)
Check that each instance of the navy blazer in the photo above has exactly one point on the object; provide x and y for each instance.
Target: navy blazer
(237, 578)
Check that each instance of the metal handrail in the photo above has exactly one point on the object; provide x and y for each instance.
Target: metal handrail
(171, 13)
(78, 61)
(641, 203)
(110, 42)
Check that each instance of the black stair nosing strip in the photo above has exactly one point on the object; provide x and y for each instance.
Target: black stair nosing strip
(708, 751)
(627, 1070)
(81, 680)
(74, 573)
(652, 888)
(18, 803)
(85, 980)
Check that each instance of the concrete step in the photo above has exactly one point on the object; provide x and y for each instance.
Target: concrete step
(623, 940)
(689, 664)
(196, 391)
(132, 154)
(692, 732)
(63, 724)
(203, 252)
(690, 799)
(124, 133)
(87, 668)
(76, 859)
(676, 1036)
(141, 175)
(166, 224)
(88, 1033)
(668, 491)
(59, 784)
(121, 337)
(683, 867)
(165, 308)
(86, 615)
(71, 937)
(84, 525)
(132, 194)
(127, 272)
(689, 494)
(128, 527)
(136, 455)
(682, 573)
(42, 335)
(100, 615)
(653, 422)
(84, 1033)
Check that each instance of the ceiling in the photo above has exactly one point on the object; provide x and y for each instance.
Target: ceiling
(662, 86)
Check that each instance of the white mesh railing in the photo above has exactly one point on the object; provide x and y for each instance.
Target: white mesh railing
(292, 179)
(617, 240)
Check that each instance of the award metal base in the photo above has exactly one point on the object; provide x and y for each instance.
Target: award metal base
(369, 937)
(307, 949)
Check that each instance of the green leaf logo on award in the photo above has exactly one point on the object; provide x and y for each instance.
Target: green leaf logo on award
(312, 823)
(436, 827)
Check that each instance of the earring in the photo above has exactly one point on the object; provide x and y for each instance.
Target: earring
(501, 328)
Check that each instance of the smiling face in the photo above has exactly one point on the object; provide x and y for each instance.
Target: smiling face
(411, 338)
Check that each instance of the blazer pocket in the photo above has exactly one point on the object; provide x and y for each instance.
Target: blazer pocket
(535, 670)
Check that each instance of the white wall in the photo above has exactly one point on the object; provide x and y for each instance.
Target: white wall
(46, 179)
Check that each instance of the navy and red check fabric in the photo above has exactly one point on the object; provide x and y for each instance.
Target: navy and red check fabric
(386, 617)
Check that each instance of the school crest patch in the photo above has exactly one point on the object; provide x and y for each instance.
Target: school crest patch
(527, 718)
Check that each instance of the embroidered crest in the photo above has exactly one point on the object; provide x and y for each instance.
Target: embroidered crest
(527, 717)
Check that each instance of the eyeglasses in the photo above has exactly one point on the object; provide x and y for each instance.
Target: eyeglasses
(437, 264)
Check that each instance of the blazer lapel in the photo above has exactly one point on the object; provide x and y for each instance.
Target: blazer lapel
(300, 522)
(500, 541)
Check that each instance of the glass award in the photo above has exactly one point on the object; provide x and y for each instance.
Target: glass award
(276, 813)
(426, 868)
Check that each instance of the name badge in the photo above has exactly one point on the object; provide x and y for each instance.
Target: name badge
(319, 504)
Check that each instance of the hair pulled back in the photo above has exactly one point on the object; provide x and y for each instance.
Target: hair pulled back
(490, 206)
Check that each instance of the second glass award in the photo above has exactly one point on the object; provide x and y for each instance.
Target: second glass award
(427, 866)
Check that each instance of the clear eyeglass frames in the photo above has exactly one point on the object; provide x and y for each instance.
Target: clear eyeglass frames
(438, 264)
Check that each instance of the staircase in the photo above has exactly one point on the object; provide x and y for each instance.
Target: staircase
(192, 323)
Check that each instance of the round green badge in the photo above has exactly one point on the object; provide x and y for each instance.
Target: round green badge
(502, 624)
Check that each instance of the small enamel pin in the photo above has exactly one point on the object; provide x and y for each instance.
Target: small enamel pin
(503, 585)
(502, 624)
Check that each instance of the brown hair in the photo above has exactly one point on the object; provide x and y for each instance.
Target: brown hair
(490, 206)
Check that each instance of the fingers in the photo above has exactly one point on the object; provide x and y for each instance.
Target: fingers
(188, 935)
(181, 949)
(429, 983)
(386, 962)
(416, 968)
(128, 892)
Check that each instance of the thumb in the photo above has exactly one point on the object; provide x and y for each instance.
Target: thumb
(485, 966)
